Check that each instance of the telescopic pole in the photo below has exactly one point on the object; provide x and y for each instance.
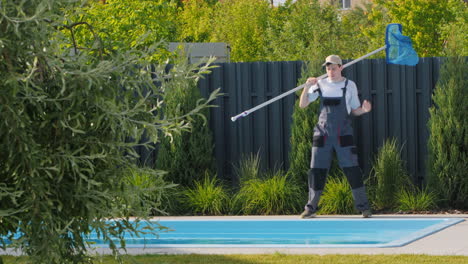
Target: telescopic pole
(251, 110)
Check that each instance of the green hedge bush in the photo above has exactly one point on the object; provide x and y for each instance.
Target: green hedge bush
(448, 140)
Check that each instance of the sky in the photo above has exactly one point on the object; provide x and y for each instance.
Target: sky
(277, 2)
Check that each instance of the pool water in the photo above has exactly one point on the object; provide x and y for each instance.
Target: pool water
(319, 232)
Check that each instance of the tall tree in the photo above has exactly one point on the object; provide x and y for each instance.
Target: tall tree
(195, 23)
(421, 20)
(241, 24)
(306, 31)
(448, 126)
(128, 24)
(303, 123)
(65, 127)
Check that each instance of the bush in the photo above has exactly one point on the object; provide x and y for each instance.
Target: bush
(148, 188)
(302, 127)
(416, 200)
(337, 197)
(207, 197)
(186, 156)
(268, 193)
(276, 194)
(66, 120)
(172, 202)
(388, 176)
(448, 140)
(249, 168)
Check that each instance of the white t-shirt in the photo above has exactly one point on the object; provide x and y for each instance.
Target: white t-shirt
(333, 89)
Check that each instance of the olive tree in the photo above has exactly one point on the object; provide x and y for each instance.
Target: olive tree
(69, 121)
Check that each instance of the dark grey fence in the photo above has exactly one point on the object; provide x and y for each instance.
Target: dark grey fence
(401, 98)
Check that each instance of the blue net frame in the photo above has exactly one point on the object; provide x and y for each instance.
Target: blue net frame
(399, 49)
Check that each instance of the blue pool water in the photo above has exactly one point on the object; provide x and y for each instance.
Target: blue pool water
(319, 232)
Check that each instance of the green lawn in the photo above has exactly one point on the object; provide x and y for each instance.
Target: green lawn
(273, 258)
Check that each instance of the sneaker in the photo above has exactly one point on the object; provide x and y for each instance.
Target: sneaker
(307, 214)
(366, 213)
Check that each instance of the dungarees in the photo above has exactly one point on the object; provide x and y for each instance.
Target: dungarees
(334, 132)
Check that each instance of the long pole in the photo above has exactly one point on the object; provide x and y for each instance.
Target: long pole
(251, 110)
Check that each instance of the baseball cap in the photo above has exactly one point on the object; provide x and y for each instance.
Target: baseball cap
(333, 59)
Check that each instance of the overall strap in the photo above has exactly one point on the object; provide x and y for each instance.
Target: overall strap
(318, 90)
(344, 88)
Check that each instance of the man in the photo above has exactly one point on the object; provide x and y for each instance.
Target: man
(338, 99)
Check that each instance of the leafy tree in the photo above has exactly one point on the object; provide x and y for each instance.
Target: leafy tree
(421, 20)
(65, 129)
(306, 32)
(448, 126)
(196, 21)
(241, 24)
(457, 28)
(127, 24)
(366, 27)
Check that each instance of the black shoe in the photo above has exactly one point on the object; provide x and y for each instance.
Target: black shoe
(366, 213)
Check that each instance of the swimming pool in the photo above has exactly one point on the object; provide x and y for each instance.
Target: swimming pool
(318, 232)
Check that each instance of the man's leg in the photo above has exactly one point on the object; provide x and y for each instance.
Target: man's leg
(321, 159)
(354, 176)
(347, 158)
(316, 179)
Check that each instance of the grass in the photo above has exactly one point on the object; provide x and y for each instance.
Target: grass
(416, 200)
(275, 193)
(337, 197)
(388, 176)
(208, 197)
(272, 258)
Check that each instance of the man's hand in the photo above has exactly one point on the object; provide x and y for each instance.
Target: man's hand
(311, 81)
(366, 106)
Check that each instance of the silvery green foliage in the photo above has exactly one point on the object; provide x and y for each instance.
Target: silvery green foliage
(70, 118)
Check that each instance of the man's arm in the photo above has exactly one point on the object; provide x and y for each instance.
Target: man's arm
(304, 101)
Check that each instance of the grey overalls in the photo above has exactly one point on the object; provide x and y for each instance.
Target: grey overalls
(334, 132)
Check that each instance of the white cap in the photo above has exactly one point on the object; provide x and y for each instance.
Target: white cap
(333, 59)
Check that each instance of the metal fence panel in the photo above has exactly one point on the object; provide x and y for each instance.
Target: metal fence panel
(401, 97)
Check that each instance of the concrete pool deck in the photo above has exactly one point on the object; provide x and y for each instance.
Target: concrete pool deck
(452, 240)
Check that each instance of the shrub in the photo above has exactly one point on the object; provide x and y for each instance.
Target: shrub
(148, 188)
(337, 197)
(276, 193)
(249, 168)
(186, 156)
(448, 126)
(388, 176)
(415, 199)
(171, 202)
(303, 123)
(66, 121)
(207, 197)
